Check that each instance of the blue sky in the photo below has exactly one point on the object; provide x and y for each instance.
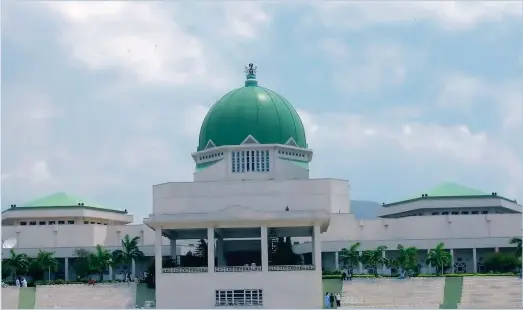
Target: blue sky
(103, 100)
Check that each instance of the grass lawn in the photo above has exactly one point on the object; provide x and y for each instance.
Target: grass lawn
(331, 286)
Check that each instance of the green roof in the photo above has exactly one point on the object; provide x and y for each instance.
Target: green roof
(62, 200)
(453, 189)
(251, 110)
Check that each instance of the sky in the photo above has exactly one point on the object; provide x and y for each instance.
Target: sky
(104, 99)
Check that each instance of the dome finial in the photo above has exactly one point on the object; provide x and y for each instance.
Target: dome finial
(250, 72)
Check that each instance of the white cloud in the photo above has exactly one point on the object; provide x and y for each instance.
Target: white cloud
(446, 14)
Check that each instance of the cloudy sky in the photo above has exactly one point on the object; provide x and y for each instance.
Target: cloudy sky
(102, 100)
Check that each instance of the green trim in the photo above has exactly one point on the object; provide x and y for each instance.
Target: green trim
(448, 197)
(63, 207)
(27, 298)
(452, 293)
(299, 163)
(202, 166)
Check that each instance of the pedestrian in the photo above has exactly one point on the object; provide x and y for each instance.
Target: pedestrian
(331, 300)
(344, 276)
(327, 300)
(350, 275)
(338, 300)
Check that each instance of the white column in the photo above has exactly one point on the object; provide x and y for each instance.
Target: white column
(66, 267)
(111, 273)
(210, 249)
(264, 249)
(220, 255)
(133, 269)
(452, 261)
(317, 247)
(474, 261)
(360, 264)
(337, 260)
(174, 253)
(158, 253)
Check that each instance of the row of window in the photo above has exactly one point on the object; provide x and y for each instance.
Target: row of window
(291, 153)
(250, 161)
(228, 298)
(211, 156)
(455, 213)
(70, 222)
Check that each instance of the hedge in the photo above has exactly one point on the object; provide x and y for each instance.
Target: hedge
(450, 275)
(59, 282)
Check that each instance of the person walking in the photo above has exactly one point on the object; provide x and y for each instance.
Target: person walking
(338, 300)
(331, 300)
(327, 301)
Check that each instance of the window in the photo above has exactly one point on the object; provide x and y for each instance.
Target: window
(250, 161)
(70, 222)
(444, 213)
(99, 223)
(52, 222)
(455, 213)
(474, 212)
(86, 222)
(228, 298)
(41, 223)
(435, 213)
(465, 212)
(484, 212)
(23, 223)
(93, 223)
(32, 223)
(61, 222)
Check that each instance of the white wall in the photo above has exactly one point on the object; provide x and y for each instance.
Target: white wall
(288, 289)
(266, 195)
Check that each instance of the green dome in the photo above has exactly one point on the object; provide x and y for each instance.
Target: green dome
(251, 110)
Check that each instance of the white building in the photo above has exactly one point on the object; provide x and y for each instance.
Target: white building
(252, 185)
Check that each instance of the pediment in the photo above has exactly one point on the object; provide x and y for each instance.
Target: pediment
(209, 145)
(291, 142)
(250, 140)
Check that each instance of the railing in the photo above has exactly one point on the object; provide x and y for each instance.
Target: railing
(237, 268)
(292, 268)
(185, 270)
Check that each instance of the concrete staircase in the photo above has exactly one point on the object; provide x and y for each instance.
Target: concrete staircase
(81, 296)
(419, 293)
(10, 297)
(491, 293)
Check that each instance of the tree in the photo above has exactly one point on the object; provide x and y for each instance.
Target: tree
(351, 256)
(517, 242)
(374, 258)
(100, 260)
(44, 261)
(272, 241)
(201, 251)
(407, 259)
(129, 251)
(84, 264)
(501, 262)
(17, 264)
(439, 258)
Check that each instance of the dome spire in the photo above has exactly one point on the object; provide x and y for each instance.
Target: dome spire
(250, 73)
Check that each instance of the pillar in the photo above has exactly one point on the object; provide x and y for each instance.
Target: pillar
(66, 267)
(317, 247)
(111, 272)
(429, 266)
(210, 249)
(474, 260)
(220, 254)
(133, 269)
(158, 254)
(452, 261)
(337, 260)
(264, 249)
(384, 268)
(360, 264)
(174, 252)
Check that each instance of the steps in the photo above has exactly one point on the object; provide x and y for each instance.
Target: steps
(82, 296)
(491, 293)
(419, 293)
(10, 297)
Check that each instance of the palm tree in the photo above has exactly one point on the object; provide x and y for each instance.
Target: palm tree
(129, 252)
(439, 258)
(374, 258)
(517, 242)
(84, 264)
(100, 260)
(407, 258)
(45, 261)
(351, 256)
(16, 263)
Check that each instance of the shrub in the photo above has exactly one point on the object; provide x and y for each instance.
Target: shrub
(502, 262)
(59, 281)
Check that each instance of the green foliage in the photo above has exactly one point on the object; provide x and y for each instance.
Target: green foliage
(83, 265)
(284, 253)
(374, 258)
(17, 264)
(96, 262)
(44, 261)
(439, 258)
(351, 256)
(128, 252)
(517, 242)
(406, 260)
(502, 262)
